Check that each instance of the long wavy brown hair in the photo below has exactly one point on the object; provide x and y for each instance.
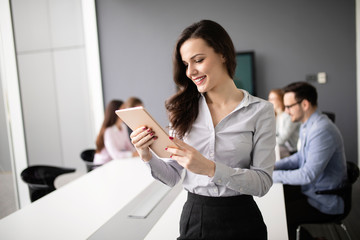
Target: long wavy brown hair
(109, 120)
(183, 106)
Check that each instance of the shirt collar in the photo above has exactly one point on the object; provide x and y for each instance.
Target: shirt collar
(311, 119)
(246, 101)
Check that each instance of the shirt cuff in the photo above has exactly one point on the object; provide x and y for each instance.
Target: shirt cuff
(151, 160)
(154, 162)
(276, 177)
(222, 174)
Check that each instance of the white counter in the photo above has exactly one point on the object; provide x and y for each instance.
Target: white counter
(97, 206)
(78, 209)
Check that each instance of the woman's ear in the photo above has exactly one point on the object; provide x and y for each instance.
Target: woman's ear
(223, 59)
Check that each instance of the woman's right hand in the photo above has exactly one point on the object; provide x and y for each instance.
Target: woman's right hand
(142, 138)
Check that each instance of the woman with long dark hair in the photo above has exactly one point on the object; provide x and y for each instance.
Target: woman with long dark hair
(225, 139)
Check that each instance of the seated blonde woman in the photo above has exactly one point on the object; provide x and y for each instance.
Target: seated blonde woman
(287, 132)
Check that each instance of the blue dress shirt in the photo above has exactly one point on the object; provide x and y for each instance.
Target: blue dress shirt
(319, 164)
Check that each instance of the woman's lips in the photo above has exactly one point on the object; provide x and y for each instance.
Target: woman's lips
(199, 80)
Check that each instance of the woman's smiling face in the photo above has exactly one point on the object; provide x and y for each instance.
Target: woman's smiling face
(204, 66)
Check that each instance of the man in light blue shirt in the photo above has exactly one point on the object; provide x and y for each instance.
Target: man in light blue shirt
(319, 164)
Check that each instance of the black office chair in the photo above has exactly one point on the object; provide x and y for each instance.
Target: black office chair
(346, 193)
(40, 179)
(330, 115)
(88, 157)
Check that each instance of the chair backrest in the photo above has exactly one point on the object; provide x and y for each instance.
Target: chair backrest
(346, 194)
(40, 179)
(330, 115)
(352, 172)
(88, 157)
(346, 191)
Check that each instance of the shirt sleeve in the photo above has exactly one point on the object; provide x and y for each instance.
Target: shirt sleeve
(167, 171)
(288, 163)
(111, 141)
(256, 180)
(318, 151)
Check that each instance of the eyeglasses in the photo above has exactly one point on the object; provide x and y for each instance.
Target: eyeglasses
(290, 106)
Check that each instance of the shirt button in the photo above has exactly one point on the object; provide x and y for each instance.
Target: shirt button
(219, 181)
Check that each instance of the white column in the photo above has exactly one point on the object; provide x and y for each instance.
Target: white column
(93, 63)
(358, 72)
(12, 100)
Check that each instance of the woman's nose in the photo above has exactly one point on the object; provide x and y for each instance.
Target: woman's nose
(191, 70)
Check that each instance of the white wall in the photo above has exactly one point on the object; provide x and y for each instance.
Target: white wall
(55, 91)
(51, 84)
(291, 39)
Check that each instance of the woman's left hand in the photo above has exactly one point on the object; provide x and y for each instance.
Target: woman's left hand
(191, 159)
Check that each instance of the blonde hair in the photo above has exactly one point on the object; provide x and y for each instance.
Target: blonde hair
(280, 93)
(132, 102)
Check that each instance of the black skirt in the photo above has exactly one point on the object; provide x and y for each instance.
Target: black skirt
(221, 218)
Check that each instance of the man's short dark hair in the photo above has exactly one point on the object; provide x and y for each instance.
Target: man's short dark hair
(302, 90)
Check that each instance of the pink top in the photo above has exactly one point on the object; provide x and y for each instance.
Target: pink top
(117, 145)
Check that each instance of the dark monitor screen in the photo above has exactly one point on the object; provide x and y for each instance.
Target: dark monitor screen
(245, 71)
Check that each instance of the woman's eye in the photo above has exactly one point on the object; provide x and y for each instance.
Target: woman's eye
(199, 60)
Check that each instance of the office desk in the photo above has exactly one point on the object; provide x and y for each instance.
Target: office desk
(272, 207)
(97, 205)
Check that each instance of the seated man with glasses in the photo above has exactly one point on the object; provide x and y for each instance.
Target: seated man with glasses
(319, 164)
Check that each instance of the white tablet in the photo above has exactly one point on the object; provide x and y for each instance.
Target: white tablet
(138, 117)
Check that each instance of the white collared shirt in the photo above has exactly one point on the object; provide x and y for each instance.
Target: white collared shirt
(242, 145)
